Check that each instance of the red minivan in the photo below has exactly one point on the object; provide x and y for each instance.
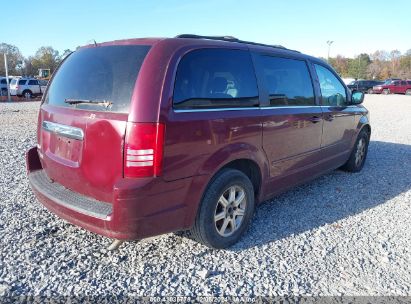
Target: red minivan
(142, 137)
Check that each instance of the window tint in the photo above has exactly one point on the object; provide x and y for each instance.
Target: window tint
(22, 82)
(105, 73)
(403, 83)
(3, 81)
(211, 78)
(409, 82)
(287, 80)
(33, 82)
(332, 90)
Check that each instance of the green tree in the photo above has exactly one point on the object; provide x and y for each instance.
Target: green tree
(405, 65)
(14, 59)
(28, 68)
(46, 58)
(66, 52)
(395, 61)
(357, 67)
(340, 65)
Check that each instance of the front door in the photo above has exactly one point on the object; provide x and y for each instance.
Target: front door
(292, 121)
(339, 116)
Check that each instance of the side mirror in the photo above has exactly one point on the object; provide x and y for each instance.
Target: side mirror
(357, 98)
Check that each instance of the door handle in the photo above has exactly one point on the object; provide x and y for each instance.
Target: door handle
(315, 119)
(329, 117)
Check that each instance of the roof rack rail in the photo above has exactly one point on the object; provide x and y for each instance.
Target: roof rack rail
(231, 39)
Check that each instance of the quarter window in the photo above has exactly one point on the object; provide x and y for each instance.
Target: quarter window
(22, 82)
(215, 78)
(287, 80)
(332, 91)
(33, 82)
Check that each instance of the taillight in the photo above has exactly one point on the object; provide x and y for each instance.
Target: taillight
(143, 150)
(17, 87)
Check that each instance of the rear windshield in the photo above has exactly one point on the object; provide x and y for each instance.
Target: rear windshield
(13, 82)
(101, 74)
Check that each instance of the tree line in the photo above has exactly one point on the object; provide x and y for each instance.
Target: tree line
(379, 65)
(45, 58)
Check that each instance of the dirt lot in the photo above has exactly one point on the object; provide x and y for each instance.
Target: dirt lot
(341, 234)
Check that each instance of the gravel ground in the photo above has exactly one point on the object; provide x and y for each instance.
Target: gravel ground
(341, 234)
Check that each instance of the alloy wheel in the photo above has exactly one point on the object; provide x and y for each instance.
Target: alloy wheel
(230, 210)
(360, 153)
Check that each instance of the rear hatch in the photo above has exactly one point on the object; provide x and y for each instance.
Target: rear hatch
(82, 122)
(14, 84)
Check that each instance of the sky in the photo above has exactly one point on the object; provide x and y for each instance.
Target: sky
(354, 26)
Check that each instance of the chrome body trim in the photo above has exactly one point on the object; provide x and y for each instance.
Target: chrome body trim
(63, 130)
(255, 108)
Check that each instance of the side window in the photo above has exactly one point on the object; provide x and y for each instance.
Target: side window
(403, 83)
(33, 82)
(3, 81)
(22, 82)
(215, 78)
(332, 91)
(287, 81)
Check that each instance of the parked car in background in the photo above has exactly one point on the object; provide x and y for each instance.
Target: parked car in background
(364, 86)
(348, 80)
(27, 87)
(389, 80)
(393, 87)
(142, 137)
(3, 85)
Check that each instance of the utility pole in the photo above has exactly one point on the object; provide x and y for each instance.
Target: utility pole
(329, 42)
(359, 66)
(7, 78)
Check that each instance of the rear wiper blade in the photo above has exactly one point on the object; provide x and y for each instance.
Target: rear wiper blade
(104, 103)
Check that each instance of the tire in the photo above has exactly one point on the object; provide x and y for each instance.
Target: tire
(386, 91)
(27, 94)
(408, 92)
(213, 225)
(359, 153)
(370, 91)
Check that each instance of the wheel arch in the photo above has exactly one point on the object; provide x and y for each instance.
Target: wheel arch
(252, 163)
(241, 156)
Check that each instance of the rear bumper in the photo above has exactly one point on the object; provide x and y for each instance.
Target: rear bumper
(140, 208)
